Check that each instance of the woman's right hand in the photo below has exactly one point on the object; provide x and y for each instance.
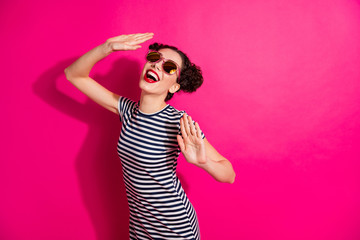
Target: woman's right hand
(126, 42)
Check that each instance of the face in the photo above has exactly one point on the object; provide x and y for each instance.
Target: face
(164, 82)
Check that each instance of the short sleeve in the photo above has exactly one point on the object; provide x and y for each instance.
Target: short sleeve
(182, 113)
(124, 107)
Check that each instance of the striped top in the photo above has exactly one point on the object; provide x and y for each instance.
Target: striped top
(148, 149)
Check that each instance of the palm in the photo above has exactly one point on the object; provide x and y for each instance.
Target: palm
(128, 42)
(191, 143)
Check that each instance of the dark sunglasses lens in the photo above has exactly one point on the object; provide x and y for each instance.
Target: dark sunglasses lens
(153, 57)
(169, 67)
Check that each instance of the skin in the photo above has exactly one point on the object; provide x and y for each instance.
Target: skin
(153, 94)
(196, 150)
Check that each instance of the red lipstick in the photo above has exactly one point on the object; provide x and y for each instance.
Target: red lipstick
(150, 75)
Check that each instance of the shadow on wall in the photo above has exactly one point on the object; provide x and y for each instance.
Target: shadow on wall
(97, 164)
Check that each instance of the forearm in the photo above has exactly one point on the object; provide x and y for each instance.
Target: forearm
(78, 72)
(220, 170)
(82, 66)
(201, 153)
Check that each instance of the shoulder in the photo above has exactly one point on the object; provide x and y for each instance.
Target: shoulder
(125, 102)
(171, 115)
(173, 112)
(125, 105)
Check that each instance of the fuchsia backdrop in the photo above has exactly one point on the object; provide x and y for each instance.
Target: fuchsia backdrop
(280, 101)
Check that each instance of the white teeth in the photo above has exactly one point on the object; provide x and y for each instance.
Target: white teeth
(153, 75)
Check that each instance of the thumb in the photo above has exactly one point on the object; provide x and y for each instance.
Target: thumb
(181, 142)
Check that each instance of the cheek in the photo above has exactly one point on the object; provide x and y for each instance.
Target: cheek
(170, 80)
(143, 70)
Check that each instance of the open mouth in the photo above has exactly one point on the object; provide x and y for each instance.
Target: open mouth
(151, 76)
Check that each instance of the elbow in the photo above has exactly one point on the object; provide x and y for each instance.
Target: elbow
(229, 179)
(232, 179)
(228, 176)
(72, 75)
(67, 74)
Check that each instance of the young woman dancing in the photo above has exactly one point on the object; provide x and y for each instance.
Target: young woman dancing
(152, 135)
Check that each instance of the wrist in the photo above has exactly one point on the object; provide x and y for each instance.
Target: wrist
(206, 165)
(106, 48)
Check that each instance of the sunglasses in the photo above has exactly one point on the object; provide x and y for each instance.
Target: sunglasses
(169, 66)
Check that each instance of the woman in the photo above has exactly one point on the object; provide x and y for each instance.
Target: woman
(151, 135)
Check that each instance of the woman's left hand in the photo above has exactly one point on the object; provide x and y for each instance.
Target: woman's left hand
(191, 143)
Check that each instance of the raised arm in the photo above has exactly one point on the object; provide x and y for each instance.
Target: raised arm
(199, 152)
(78, 72)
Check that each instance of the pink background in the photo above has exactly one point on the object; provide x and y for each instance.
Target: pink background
(281, 100)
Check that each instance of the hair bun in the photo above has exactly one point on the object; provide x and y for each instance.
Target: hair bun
(191, 78)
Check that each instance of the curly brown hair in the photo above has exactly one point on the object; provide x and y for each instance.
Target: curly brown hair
(190, 75)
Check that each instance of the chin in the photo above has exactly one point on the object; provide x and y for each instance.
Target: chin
(142, 84)
(145, 87)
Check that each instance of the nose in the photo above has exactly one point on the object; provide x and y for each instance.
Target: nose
(157, 65)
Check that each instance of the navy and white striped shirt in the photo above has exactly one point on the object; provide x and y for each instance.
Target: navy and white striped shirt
(148, 149)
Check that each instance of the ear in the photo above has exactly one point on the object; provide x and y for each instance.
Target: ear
(174, 88)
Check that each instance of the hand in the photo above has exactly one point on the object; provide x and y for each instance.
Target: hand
(126, 42)
(191, 143)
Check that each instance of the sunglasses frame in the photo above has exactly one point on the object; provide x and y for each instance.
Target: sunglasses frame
(164, 61)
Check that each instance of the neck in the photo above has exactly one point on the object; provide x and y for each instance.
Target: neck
(151, 103)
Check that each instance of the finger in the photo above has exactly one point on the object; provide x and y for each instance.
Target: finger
(125, 46)
(139, 36)
(138, 40)
(144, 34)
(181, 143)
(134, 47)
(130, 36)
(187, 125)
(141, 40)
(192, 126)
(198, 130)
(182, 127)
(136, 34)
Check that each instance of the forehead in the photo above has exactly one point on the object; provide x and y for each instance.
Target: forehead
(172, 55)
